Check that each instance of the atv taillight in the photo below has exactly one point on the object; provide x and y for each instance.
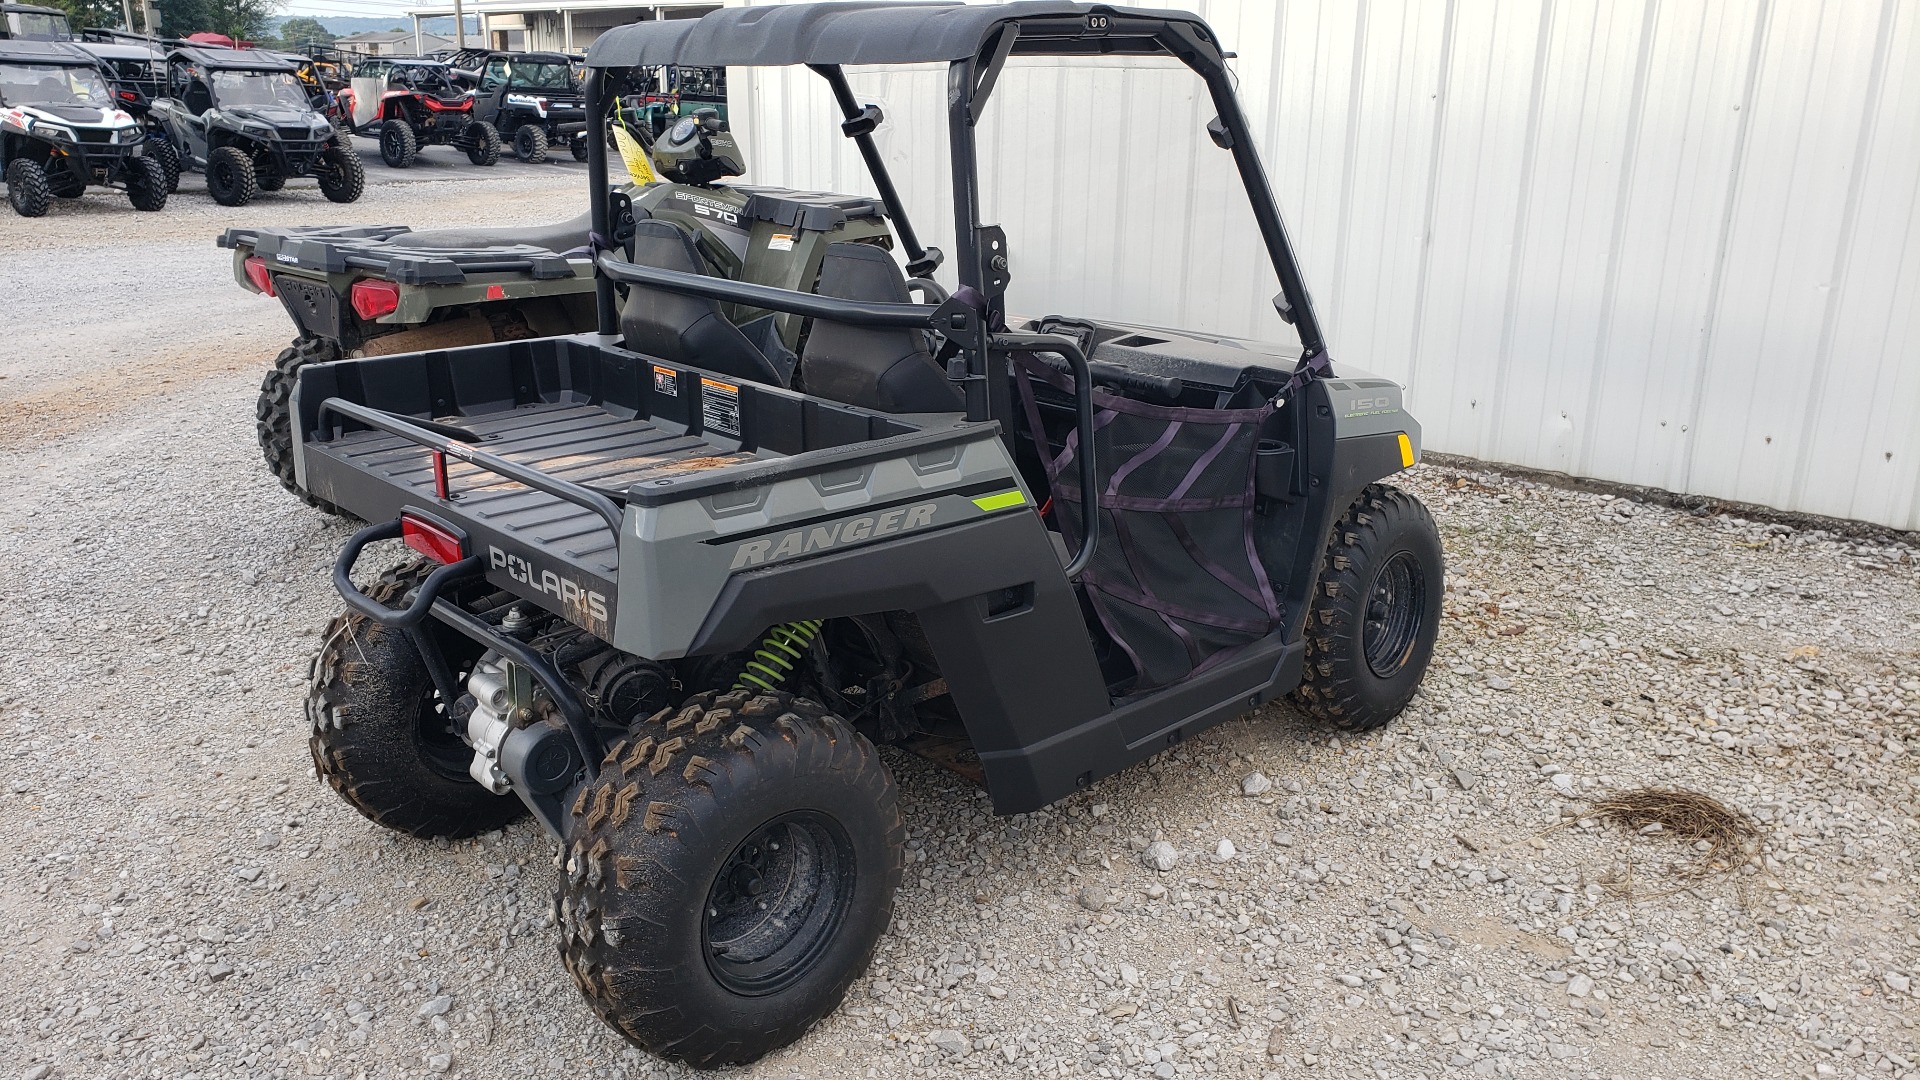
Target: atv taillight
(372, 299)
(128, 95)
(257, 273)
(432, 539)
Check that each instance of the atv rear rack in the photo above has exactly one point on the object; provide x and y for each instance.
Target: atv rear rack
(338, 250)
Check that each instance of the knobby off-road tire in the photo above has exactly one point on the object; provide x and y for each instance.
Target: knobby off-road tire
(168, 156)
(725, 878)
(398, 147)
(268, 181)
(380, 737)
(1376, 612)
(530, 144)
(579, 147)
(342, 176)
(230, 178)
(483, 143)
(273, 414)
(27, 188)
(147, 184)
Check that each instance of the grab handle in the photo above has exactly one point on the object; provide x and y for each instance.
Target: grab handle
(1083, 423)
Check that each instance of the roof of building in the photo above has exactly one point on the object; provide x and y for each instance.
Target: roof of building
(877, 32)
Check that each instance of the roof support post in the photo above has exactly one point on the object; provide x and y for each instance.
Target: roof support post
(921, 262)
(607, 319)
(1203, 56)
(987, 397)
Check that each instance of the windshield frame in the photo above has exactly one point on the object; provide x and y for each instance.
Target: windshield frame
(43, 71)
(222, 81)
(59, 27)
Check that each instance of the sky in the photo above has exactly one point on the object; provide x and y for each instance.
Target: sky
(366, 9)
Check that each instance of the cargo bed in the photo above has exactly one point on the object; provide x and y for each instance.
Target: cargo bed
(537, 448)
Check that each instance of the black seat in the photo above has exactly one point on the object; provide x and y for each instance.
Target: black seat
(889, 370)
(685, 329)
(198, 98)
(561, 236)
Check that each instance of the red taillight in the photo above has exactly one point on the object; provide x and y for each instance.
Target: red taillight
(128, 95)
(435, 541)
(257, 273)
(372, 299)
(496, 292)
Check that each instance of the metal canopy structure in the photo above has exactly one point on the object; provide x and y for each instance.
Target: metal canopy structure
(883, 32)
(975, 42)
(31, 51)
(232, 59)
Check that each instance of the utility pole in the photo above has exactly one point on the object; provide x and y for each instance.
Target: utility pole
(459, 26)
(126, 14)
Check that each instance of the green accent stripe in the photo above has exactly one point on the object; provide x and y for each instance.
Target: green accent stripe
(1004, 499)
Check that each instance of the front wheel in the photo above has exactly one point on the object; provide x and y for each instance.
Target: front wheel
(342, 177)
(147, 184)
(163, 151)
(530, 144)
(398, 147)
(27, 188)
(383, 739)
(1375, 614)
(483, 143)
(727, 876)
(230, 177)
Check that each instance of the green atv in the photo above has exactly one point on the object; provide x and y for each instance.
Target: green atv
(675, 584)
(357, 291)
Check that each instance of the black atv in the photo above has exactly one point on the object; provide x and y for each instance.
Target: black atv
(137, 75)
(408, 104)
(242, 118)
(534, 101)
(671, 591)
(61, 131)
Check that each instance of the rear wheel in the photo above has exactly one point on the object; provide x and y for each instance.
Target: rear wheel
(230, 178)
(383, 739)
(530, 144)
(268, 180)
(342, 177)
(273, 415)
(579, 147)
(398, 147)
(483, 143)
(727, 876)
(1376, 612)
(146, 184)
(27, 188)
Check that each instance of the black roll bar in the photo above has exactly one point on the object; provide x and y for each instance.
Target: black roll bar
(918, 264)
(607, 319)
(1083, 423)
(564, 490)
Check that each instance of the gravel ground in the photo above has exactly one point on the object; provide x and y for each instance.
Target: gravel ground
(180, 898)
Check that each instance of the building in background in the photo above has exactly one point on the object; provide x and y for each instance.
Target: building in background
(563, 26)
(393, 43)
(1673, 245)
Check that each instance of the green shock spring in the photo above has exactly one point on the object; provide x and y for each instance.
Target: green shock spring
(773, 661)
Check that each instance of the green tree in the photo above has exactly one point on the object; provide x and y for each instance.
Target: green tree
(239, 19)
(85, 13)
(301, 31)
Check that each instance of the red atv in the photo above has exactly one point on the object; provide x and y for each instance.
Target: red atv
(419, 105)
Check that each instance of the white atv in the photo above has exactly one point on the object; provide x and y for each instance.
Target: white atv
(60, 131)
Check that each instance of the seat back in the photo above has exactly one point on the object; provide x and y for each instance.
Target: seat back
(886, 369)
(685, 329)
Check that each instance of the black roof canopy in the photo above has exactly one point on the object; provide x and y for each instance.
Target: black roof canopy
(29, 51)
(872, 32)
(231, 59)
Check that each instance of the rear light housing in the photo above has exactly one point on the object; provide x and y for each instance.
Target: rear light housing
(437, 541)
(258, 275)
(372, 299)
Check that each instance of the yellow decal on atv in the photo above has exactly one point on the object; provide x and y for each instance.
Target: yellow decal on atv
(1004, 499)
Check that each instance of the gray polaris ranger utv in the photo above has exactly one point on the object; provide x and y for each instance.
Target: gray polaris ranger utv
(673, 590)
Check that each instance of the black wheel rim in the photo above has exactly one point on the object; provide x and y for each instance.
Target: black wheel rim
(1396, 609)
(777, 903)
(221, 176)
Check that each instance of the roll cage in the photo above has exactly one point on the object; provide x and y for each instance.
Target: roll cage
(975, 42)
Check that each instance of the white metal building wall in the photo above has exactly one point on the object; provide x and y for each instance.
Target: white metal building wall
(1664, 242)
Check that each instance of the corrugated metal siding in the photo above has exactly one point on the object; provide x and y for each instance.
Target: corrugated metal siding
(1663, 242)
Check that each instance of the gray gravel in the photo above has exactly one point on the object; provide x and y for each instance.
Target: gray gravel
(180, 898)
